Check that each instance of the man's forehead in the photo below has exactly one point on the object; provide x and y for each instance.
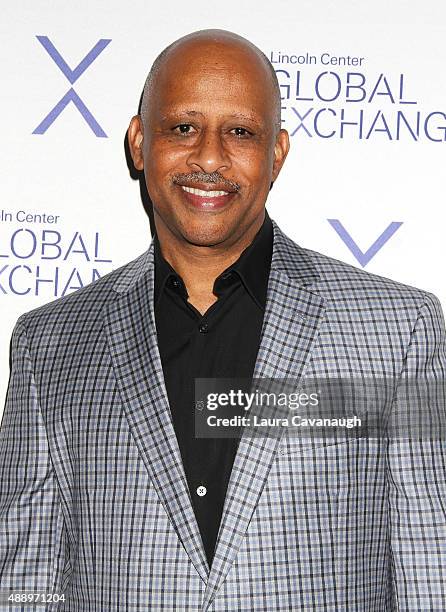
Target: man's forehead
(205, 57)
(216, 67)
(223, 45)
(190, 90)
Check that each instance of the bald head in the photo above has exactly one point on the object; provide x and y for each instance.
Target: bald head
(207, 44)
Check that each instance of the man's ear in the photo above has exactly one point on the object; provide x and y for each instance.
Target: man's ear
(281, 149)
(135, 138)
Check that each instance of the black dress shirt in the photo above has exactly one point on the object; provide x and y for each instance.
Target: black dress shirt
(222, 343)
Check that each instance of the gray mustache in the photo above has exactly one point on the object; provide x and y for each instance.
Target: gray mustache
(204, 177)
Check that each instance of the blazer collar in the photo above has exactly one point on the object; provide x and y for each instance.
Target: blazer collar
(287, 257)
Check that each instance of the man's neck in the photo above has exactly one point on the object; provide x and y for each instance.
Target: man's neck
(199, 266)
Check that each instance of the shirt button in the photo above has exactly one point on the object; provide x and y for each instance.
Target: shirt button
(175, 283)
(201, 491)
(203, 328)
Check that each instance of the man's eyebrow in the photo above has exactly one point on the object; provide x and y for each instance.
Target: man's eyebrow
(244, 117)
(193, 113)
(175, 113)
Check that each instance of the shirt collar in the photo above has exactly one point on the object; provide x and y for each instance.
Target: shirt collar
(252, 267)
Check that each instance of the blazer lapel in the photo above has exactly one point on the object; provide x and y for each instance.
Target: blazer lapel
(292, 317)
(130, 325)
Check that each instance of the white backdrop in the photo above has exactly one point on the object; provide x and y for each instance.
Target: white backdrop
(364, 181)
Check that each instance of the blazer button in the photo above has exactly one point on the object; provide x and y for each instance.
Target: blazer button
(203, 328)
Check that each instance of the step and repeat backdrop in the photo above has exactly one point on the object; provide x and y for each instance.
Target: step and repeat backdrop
(363, 98)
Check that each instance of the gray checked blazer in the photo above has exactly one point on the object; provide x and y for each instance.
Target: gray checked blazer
(94, 502)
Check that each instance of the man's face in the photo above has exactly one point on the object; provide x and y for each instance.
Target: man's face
(210, 149)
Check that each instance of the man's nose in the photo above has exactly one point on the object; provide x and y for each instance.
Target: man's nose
(209, 153)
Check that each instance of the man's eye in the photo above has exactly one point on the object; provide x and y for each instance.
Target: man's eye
(241, 132)
(183, 128)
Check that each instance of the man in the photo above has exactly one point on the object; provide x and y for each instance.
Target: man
(107, 496)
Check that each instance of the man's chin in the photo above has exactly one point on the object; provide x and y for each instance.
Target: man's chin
(206, 238)
(206, 232)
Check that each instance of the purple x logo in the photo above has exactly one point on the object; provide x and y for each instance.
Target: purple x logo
(72, 76)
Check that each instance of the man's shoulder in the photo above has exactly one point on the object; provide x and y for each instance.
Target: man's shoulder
(344, 276)
(86, 304)
(342, 282)
(348, 287)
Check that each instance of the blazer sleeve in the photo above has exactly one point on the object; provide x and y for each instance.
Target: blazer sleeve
(32, 535)
(417, 472)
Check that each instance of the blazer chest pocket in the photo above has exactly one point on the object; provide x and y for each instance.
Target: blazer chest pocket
(298, 445)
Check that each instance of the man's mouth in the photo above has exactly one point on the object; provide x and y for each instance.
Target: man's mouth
(204, 193)
(206, 199)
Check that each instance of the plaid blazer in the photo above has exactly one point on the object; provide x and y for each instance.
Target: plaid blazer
(94, 502)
